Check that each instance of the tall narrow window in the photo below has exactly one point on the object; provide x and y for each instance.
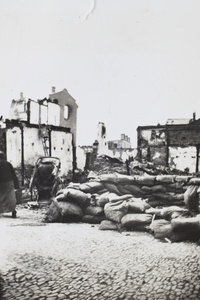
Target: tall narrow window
(66, 112)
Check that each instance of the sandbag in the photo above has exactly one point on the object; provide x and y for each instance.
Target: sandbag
(176, 196)
(74, 195)
(53, 213)
(160, 228)
(195, 181)
(185, 229)
(155, 202)
(91, 187)
(154, 211)
(145, 180)
(101, 200)
(191, 198)
(134, 190)
(92, 219)
(108, 178)
(115, 211)
(168, 212)
(108, 225)
(137, 205)
(155, 188)
(163, 196)
(175, 187)
(70, 211)
(112, 188)
(147, 189)
(159, 188)
(63, 212)
(94, 210)
(135, 221)
(182, 178)
(122, 189)
(115, 198)
(125, 179)
(179, 214)
(165, 178)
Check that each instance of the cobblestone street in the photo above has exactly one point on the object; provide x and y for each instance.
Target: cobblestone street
(78, 261)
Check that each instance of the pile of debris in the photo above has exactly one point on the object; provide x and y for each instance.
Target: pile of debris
(165, 205)
(105, 164)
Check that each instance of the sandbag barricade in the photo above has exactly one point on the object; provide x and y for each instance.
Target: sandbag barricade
(164, 205)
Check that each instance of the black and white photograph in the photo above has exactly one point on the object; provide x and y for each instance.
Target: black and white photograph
(100, 150)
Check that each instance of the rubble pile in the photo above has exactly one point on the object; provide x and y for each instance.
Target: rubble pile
(165, 205)
(138, 168)
(104, 164)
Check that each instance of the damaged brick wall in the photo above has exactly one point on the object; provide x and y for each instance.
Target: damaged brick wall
(174, 146)
(152, 145)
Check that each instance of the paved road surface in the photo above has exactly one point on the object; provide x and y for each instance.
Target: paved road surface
(78, 261)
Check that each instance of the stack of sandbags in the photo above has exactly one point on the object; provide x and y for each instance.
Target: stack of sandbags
(160, 190)
(68, 206)
(183, 229)
(122, 202)
(169, 213)
(191, 198)
(75, 203)
(93, 214)
(137, 218)
(61, 211)
(115, 208)
(175, 224)
(126, 212)
(178, 230)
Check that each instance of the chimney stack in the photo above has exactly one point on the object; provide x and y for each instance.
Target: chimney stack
(53, 89)
(122, 136)
(21, 96)
(194, 116)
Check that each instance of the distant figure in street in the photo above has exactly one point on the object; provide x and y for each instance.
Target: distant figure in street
(8, 184)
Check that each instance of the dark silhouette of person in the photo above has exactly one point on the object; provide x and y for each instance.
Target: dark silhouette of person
(8, 184)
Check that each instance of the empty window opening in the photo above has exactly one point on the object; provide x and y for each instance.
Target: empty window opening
(66, 112)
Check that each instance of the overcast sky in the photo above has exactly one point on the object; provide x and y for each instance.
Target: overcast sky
(128, 63)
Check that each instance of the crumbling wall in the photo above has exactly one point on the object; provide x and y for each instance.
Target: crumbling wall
(184, 136)
(33, 147)
(61, 147)
(174, 146)
(152, 145)
(47, 113)
(66, 101)
(18, 110)
(183, 158)
(14, 146)
(24, 145)
(81, 157)
(152, 137)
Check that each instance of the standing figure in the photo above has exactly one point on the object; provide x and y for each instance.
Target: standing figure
(8, 184)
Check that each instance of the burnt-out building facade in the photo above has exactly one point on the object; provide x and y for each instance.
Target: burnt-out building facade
(39, 128)
(175, 144)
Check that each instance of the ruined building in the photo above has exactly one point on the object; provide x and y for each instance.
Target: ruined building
(175, 144)
(44, 127)
(120, 148)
